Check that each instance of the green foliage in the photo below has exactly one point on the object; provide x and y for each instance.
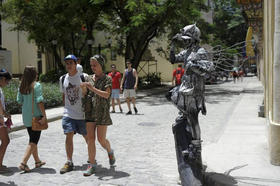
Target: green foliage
(51, 76)
(51, 93)
(229, 25)
(10, 93)
(70, 23)
(150, 81)
(136, 23)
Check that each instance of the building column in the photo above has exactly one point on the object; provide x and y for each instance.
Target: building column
(274, 128)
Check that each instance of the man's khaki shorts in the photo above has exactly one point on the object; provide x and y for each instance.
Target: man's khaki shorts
(129, 93)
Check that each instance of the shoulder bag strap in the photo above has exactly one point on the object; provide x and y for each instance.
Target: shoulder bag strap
(32, 102)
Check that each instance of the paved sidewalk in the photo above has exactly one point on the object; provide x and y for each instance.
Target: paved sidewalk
(241, 149)
(56, 113)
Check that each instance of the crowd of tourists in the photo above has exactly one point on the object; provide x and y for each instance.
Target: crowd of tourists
(86, 101)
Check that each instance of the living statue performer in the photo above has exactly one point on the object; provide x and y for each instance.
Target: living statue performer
(189, 99)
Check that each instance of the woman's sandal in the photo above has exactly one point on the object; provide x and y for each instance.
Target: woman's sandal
(24, 167)
(39, 164)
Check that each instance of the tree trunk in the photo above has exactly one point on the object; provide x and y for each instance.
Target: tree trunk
(57, 58)
(88, 37)
(128, 48)
(138, 46)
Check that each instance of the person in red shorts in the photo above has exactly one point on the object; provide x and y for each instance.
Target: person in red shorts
(177, 75)
(116, 79)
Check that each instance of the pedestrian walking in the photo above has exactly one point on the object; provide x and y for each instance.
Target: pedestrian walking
(73, 120)
(177, 75)
(241, 75)
(235, 75)
(31, 98)
(5, 78)
(116, 80)
(96, 103)
(129, 85)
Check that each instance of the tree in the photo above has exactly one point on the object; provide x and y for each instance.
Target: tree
(70, 23)
(136, 23)
(229, 25)
(229, 31)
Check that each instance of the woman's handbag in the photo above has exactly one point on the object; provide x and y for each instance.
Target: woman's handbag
(37, 124)
(9, 123)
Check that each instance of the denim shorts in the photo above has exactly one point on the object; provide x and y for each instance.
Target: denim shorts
(115, 93)
(74, 125)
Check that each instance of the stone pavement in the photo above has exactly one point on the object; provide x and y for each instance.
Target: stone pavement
(54, 114)
(234, 144)
(143, 145)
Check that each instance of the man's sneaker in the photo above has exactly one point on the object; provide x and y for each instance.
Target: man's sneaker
(67, 168)
(112, 158)
(135, 109)
(128, 113)
(90, 170)
(113, 111)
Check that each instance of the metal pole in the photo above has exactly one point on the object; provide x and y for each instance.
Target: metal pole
(1, 27)
(99, 48)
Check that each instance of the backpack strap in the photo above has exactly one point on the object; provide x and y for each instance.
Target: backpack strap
(82, 77)
(62, 80)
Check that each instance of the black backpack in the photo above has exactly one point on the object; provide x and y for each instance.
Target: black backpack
(81, 76)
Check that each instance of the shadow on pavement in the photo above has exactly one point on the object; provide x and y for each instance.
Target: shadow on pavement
(218, 179)
(104, 173)
(222, 91)
(156, 101)
(10, 183)
(216, 96)
(80, 168)
(44, 170)
(252, 91)
(13, 171)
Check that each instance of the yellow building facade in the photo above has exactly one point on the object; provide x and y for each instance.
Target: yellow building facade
(23, 52)
(159, 63)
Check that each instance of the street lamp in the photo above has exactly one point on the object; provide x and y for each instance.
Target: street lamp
(54, 43)
(89, 43)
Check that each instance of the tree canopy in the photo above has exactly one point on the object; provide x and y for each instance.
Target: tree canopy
(69, 23)
(229, 25)
(133, 23)
(136, 23)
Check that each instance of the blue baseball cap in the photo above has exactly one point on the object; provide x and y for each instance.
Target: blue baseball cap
(70, 57)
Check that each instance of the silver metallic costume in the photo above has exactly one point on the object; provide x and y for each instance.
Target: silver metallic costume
(189, 99)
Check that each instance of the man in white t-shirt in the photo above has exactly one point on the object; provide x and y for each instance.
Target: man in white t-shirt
(73, 120)
(79, 66)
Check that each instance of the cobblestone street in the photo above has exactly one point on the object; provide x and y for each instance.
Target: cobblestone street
(143, 143)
